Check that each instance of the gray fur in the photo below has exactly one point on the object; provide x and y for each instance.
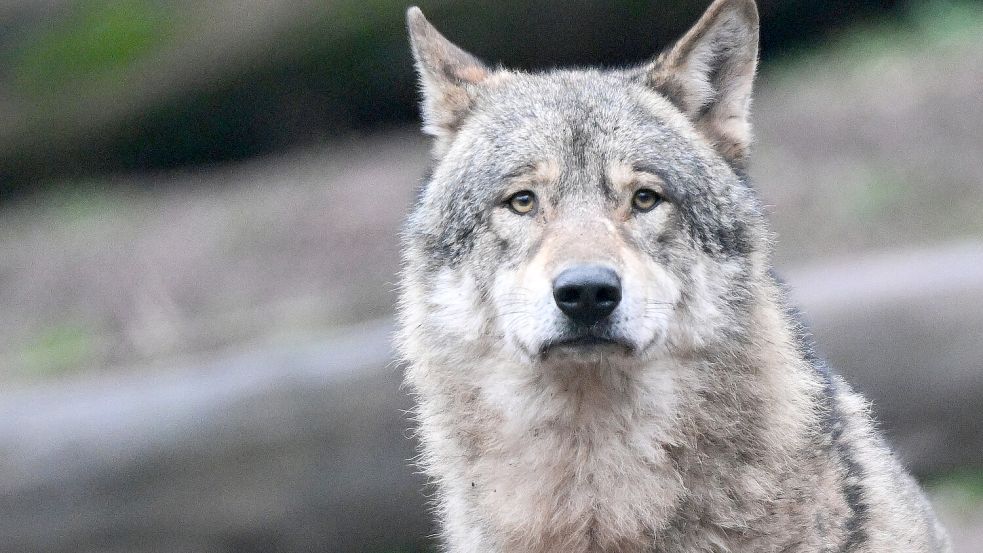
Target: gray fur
(712, 427)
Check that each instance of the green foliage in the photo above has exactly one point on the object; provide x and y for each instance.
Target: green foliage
(924, 25)
(968, 480)
(947, 20)
(100, 39)
(76, 200)
(57, 350)
(881, 192)
(961, 490)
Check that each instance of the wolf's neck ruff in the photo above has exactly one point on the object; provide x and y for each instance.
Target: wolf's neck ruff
(600, 357)
(600, 458)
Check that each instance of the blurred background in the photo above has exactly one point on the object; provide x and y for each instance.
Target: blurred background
(199, 204)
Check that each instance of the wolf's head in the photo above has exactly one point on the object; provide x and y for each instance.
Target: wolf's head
(576, 216)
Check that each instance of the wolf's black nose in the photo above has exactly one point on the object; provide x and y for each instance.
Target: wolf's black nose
(587, 293)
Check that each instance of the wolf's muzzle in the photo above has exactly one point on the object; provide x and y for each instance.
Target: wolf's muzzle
(587, 293)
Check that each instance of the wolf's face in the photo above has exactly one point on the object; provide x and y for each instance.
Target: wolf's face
(587, 216)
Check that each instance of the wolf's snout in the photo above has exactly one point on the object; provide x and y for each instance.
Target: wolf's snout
(587, 293)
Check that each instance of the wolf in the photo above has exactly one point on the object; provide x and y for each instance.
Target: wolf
(601, 355)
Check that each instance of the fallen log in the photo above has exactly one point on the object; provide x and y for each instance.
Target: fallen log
(300, 449)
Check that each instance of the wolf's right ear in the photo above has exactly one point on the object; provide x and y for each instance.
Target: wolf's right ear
(449, 77)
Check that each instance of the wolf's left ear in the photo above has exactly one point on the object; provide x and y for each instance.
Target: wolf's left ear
(709, 75)
(449, 77)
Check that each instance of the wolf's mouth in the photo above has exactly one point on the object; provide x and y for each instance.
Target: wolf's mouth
(585, 343)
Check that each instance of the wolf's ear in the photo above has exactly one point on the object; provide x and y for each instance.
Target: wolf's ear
(449, 76)
(709, 75)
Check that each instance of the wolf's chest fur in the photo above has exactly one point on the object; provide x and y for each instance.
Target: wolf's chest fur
(612, 462)
(601, 357)
(578, 464)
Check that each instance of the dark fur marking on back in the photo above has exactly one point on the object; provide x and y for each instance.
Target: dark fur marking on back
(833, 425)
(853, 491)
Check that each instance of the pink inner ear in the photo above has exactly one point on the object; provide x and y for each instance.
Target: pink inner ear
(472, 74)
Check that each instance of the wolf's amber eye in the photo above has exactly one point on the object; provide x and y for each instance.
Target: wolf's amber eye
(645, 200)
(523, 202)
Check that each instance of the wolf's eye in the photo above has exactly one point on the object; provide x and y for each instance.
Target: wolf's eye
(645, 200)
(522, 203)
